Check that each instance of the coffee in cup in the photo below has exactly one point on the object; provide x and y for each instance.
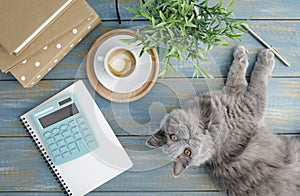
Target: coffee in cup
(119, 62)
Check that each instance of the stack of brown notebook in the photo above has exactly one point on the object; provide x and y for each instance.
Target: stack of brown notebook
(35, 35)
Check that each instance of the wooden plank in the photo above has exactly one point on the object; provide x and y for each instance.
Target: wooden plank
(23, 169)
(143, 116)
(285, 36)
(276, 9)
(116, 193)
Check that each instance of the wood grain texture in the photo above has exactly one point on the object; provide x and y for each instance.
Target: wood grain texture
(24, 169)
(263, 9)
(143, 116)
(24, 172)
(95, 193)
(283, 35)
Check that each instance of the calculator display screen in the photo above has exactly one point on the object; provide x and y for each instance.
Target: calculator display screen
(58, 115)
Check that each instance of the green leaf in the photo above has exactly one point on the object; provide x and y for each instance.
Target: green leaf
(191, 25)
(160, 24)
(128, 41)
(135, 17)
(133, 10)
(173, 68)
(145, 14)
(206, 74)
(200, 55)
(172, 35)
(174, 26)
(162, 16)
(209, 47)
(141, 4)
(197, 71)
(142, 52)
(147, 3)
(237, 35)
(163, 73)
(153, 22)
(231, 2)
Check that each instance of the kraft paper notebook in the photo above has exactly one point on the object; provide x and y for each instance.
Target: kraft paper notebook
(76, 140)
(33, 69)
(73, 16)
(21, 21)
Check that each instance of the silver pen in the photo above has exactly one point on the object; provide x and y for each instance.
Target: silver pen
(266, 45)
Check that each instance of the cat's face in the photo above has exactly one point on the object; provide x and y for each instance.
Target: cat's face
(185, 138)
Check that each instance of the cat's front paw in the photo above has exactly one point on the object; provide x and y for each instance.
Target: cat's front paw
(241, 54)
(266, 57)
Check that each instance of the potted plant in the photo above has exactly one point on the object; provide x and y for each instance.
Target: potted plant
(177, 27)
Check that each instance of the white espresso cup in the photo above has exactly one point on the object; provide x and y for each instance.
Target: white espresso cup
(120, 62)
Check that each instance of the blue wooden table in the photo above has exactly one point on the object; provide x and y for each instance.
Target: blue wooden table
(22, 169)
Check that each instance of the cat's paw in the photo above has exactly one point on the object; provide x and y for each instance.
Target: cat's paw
(241, 54)
(266, 58)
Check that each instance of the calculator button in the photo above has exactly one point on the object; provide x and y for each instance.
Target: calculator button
(85, 132)
(74, 130)
(92, 145)
(89, 138)
(80, 144)
(55, 131)
(52, 146)
(50, 140)
(58, 137)
(68, 139)
(61, 143)
(80, 120)
(67, 133)
(66, 154)
(82, 126)
(76, 136)
(63, 127)
(55, 152)
(63, 149)
(71, 145)
(58, 158)
(72, 123)
(47, 134)
(74, 151)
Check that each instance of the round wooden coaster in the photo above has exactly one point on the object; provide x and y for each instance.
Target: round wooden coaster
(115, 96)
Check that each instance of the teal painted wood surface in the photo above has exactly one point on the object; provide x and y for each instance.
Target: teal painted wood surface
(258, 9)
(186, 193)
(283, 35)
(23, 169)
(139, 118)
(24, 172)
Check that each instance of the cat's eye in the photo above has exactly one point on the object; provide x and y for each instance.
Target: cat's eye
(187, 152)
(173, 137)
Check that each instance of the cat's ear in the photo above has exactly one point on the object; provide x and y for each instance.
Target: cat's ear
(180, 164)
(157, 140)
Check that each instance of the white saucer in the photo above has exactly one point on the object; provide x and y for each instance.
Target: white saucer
(127, 84)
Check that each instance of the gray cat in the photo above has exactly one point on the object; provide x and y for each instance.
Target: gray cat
(225, 130)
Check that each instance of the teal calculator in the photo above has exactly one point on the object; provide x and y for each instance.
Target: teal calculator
(64, 129)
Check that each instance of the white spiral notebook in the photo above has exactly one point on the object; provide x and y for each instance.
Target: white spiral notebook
(76, 140)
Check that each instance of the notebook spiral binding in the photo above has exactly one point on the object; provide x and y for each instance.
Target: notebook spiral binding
(47, 159)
